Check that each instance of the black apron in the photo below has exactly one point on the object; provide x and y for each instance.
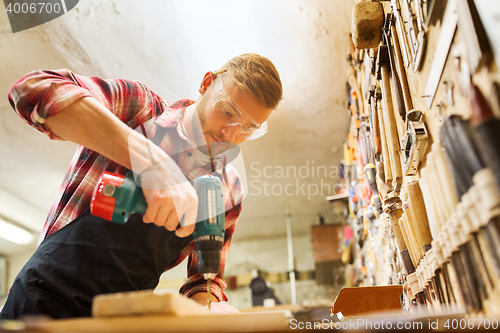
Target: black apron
(88, 257)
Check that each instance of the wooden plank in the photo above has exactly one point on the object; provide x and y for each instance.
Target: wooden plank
(146, 302)
(247, 322)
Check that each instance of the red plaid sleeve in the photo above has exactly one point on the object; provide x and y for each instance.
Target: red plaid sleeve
(44, 93)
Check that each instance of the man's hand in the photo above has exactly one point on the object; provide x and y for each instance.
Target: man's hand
(223, 308)
(169, 196)
(215, 305)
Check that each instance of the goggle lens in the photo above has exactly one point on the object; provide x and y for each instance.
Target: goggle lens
(233, 115)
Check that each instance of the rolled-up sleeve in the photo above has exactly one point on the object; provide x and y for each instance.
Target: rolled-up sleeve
(43, 93)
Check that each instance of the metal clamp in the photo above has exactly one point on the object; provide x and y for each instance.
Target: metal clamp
(414, 143)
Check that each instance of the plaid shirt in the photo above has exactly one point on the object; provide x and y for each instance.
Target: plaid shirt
(41, 94)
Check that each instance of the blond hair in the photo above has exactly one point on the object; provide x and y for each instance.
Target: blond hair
(257, 75)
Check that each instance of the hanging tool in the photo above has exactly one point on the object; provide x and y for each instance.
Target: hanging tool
(393, 209)
(414, 143)
(415, 29)
(370, 173)
(401, 33)
(396, 83)
(117, 197)
(354, 107)
(487, 129)
(398, 64)
(418, 214)
(383, 164)
(476, 251)
(374, 124)
(367, 22)
(471, 28)
(446, 35)
(389, 118)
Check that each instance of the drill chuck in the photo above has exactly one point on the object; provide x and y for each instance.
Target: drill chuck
(208, 248)
(209, 262)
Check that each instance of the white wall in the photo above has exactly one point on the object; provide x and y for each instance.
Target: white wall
(15, 263)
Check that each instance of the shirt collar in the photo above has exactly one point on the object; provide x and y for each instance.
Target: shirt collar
(173, 113)
(172, 116)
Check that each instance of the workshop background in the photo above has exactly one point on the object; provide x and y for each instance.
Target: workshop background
(169, 46)
(380, 168)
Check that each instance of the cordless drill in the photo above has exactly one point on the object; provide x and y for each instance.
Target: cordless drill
(117, 197)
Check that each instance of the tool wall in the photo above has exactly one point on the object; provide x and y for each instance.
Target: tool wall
(422, 157)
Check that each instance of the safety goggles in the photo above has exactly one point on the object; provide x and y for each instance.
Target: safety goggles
(233, 115)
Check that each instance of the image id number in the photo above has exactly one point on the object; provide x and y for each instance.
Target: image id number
(40, 7)
(471, 324)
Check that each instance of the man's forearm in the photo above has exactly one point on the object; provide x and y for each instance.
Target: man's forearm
(168, 194)
(90, 124)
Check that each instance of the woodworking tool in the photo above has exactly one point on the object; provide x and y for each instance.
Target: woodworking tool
(487, 129)
(414, 143)
(401, 34)
(383, 165)
(362, 144)
(117, 197)
(389, 119)
(448, 27)
(375, 128)
(418, 215)
(476, 247)
(495, 99)
(366, 26)
(370, 173)
(435, 184)
(449, 92)
(460, 257)
(367, 140)
(410, 237)
(405, 89)
(395, 76)
(393, 209)
(415, 28)
(354, 107)
(477, 46)
(397, 62)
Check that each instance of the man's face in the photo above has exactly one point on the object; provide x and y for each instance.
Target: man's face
(216, 133)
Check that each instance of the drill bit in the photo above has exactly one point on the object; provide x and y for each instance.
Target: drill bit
(208, 294)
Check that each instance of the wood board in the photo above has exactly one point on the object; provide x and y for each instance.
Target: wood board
(146, 302)
(247, 322)
(147, 311)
